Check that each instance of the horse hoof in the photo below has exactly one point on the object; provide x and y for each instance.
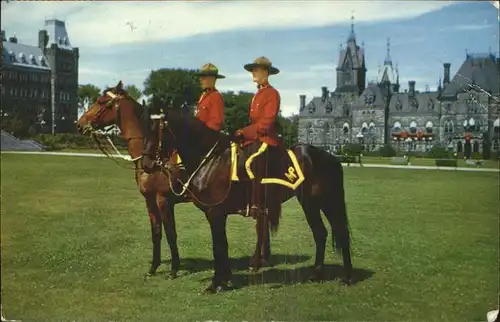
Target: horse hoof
(148, 275)
(213, 289)
(172, 275)
(346, 280)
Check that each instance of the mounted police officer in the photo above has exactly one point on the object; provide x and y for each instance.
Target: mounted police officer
(210, 109)
(260, 138)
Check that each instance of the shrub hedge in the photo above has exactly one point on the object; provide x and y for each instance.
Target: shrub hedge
(446, 162)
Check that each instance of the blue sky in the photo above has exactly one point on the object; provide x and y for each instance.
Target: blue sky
(126, 40)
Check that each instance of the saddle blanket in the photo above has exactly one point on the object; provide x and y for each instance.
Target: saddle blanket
(291, 178)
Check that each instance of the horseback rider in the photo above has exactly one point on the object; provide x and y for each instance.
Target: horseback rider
(260, 138)
(210, 108)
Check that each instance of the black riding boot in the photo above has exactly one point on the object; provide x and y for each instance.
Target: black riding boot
(255, 202)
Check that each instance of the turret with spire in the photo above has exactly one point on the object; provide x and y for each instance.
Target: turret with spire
(389, 75)
(351, 68)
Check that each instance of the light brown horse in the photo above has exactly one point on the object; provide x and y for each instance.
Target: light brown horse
(116, 107)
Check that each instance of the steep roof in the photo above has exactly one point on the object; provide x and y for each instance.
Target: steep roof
(478, 69)
(420, 103)
(56, 30)
(21, 55)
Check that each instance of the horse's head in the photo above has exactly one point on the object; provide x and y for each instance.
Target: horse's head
(112, 108)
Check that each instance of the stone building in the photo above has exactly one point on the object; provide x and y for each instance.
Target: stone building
(40, 83)
(463, 108)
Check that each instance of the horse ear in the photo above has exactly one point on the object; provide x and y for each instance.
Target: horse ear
(119, 86)
(144, 103)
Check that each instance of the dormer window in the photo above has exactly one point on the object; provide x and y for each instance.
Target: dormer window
(65, 41)
(12, 56)
(22, 58)
(33, 59)
(42, 61)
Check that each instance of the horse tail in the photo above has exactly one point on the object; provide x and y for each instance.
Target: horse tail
(341, 232)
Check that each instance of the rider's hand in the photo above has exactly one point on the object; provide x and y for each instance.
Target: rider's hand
(238, 137)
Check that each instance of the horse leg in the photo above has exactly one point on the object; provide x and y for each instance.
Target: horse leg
(154, 218)
(222, 269)
(168, 218)
(313, 217)
(266, 246)
(335, 213)
(262, 230)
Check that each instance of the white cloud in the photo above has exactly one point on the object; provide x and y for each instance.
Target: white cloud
(469, 27)
(100, 24)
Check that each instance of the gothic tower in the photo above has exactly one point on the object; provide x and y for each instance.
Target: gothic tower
(351, 68)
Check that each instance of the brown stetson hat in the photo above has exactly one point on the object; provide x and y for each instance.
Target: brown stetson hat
(209, 70)
(262, 62)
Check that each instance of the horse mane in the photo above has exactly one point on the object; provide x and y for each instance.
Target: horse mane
(197, 126)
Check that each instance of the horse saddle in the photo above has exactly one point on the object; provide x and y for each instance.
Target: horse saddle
(284, 168)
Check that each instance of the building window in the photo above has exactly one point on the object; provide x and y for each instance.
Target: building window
(371, 128)
(495, 145)
(428, 127)
(397, 127)
(309, 133)
(496, 126)
(413, 127)
(449, 126)
(345, 128)
(364, 128)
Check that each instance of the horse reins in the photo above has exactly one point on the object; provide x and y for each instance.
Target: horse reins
(166, 170)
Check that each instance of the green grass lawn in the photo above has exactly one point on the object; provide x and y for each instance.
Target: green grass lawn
(76, 242)
(492, 164)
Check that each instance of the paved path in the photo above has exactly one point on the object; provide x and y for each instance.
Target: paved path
(354, 165)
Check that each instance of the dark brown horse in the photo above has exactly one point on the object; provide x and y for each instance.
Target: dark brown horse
(209, 159)
(116, 107)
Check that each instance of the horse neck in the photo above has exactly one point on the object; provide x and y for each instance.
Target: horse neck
(131, 131)
(193, 145)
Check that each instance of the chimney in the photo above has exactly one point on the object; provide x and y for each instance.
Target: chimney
(43, 39)
(13, 40)
(411, 88)
(302, 102)
(446, 79)
(2, 35)
(324, 91)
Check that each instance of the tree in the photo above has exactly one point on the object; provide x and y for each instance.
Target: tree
(236, 110)
(88, 94)
(133, 92)
(288, 127)
(175, 86)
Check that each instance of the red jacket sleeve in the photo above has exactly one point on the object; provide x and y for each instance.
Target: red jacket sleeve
(266, 120)
(216, 116)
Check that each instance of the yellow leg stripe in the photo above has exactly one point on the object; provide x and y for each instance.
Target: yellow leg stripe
(291, 171)
(248, 162)
(234, 162)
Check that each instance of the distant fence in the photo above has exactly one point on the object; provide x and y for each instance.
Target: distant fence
(353, 165)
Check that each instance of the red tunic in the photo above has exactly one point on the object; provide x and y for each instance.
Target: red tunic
(263, 113)
(210, 109)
